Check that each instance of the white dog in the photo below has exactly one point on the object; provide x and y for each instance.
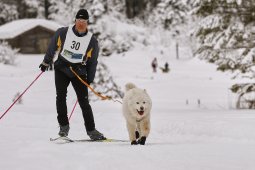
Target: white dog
(136, 109)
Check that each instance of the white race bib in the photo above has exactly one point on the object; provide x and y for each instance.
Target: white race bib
(74, 49)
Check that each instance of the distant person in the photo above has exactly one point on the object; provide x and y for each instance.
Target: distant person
(154, 65)
(166, 68)
(78, 48)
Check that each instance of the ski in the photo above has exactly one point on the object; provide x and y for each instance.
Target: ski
(104, 140)
(63, 140)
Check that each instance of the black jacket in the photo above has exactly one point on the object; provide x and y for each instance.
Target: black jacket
(57, 43)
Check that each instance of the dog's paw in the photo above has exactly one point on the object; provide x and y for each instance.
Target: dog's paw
(142, 140)
(134, 143)
(137, 134)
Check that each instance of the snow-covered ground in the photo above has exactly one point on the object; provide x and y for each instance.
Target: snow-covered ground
(184, 134)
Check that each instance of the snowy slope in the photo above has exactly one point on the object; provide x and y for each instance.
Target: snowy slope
(183, 136)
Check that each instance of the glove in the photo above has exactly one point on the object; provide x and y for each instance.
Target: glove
(44, 66)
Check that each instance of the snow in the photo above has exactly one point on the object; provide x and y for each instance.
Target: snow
(184, 136)
(211, 21)
(17, 27)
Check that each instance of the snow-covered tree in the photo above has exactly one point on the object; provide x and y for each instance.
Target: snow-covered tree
(115, 6)
(28, 8)
(105, 84)
(169, 13)
(7, 54)
(64, 11)
(226, 34)
(246, 95)
(8, 13)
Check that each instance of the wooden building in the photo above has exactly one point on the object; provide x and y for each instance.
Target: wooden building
(30, 36)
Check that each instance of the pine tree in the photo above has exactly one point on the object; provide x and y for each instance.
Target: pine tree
(105, 84)
(226, 36)
(8, 13)
(7, 54)
(63, 11)
(169, 13)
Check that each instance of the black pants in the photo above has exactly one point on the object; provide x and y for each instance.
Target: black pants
(62, 81)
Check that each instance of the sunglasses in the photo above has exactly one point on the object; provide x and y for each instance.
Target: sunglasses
(82, 20)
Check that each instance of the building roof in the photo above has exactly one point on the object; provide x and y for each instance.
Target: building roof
(17, 27)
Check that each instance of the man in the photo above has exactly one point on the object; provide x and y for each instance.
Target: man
(78, 48)
(154, 65)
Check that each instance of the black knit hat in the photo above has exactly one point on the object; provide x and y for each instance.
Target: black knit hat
(82, 14)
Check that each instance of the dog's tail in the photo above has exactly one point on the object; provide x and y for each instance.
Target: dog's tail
(130, 86)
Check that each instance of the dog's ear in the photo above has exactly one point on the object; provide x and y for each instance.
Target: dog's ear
(145, 90)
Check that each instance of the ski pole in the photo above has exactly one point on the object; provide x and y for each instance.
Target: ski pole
(20, 95)
(73, 110)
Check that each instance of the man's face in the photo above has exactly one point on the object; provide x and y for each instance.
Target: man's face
(81, 24)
